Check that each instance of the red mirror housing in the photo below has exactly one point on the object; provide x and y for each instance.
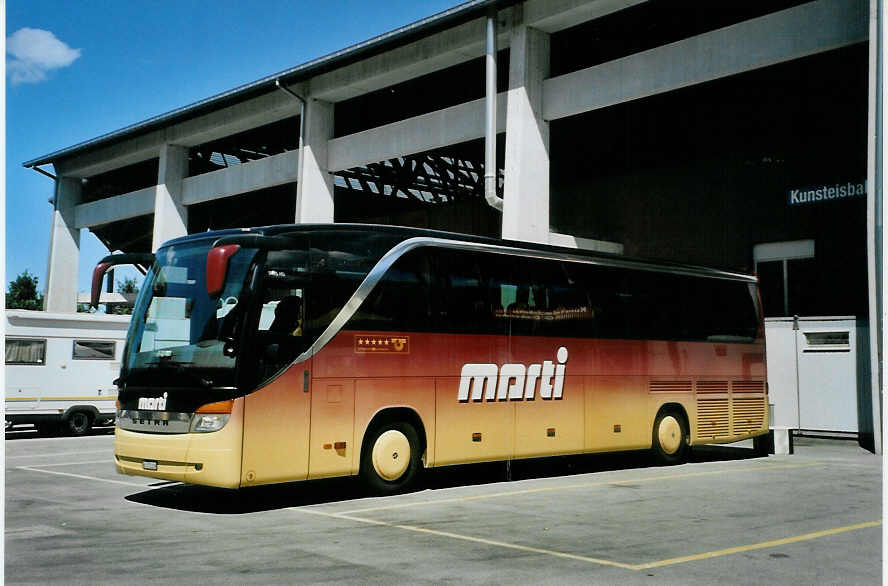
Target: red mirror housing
(98, 275)
(217, 267)
(134, 258)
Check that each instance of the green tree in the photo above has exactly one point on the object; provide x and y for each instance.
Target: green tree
(126, 286)
(23, 294)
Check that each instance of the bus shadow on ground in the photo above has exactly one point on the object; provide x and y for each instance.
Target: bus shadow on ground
(202, 499)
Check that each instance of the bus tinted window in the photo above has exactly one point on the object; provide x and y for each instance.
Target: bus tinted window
(656, 306)
(611, 300)
(538, 299)
(400, 301)
(634, 304)
(338, 262)
(464, 298)
(720, 310)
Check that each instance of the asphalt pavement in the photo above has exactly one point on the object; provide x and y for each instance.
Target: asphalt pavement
(725, 517)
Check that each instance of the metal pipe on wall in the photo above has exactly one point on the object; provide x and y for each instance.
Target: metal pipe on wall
(290, 92)
(490, 174)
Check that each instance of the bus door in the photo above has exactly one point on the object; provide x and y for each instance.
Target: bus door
(277, 413)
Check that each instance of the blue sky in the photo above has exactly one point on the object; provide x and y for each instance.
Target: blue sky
(105, 65)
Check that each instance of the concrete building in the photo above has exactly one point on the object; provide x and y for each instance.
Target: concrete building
(741, 135)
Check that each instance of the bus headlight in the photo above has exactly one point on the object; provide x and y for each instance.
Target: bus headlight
(211, 417)
(203, 423)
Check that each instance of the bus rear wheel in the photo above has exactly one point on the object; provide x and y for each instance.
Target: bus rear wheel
(670, 437)
(390, 457)
(79, 423)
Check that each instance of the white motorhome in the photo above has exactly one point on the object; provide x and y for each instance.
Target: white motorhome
(60, 369)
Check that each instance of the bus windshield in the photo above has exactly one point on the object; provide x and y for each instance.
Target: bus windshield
(273, 305)
(177, 328)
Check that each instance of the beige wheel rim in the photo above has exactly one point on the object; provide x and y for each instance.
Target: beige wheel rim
(669, 434)
(391, 454)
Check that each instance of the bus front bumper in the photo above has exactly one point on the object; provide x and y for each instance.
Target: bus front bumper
(210, 459)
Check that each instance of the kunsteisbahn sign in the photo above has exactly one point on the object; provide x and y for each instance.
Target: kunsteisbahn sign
(826, 192)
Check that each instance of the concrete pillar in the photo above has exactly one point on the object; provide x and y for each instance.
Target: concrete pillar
(526, 189)
(64, 249)
(314, 192)
(170, 215)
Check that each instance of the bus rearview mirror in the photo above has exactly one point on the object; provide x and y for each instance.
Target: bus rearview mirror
(217, 267)
(142, 259)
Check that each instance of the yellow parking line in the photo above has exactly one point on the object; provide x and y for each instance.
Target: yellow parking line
(599, 561)
(754, 546)
(502, 544)
(576, 486)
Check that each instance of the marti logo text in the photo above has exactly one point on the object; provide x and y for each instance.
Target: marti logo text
(514, 382)
(153, 403)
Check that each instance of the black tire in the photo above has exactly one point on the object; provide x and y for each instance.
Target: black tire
(79, 423)
(670, 440)
(47, 428)
(383, 465)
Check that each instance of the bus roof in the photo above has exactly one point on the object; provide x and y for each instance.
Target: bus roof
(561, 252)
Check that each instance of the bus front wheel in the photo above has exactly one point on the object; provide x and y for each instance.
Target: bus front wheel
(671, 437)
(390, 457)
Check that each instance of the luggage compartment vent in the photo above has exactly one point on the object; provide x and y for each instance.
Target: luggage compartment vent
(749, 415)
(713, 420)
(712, 387)
(749, 386)
(670, 386)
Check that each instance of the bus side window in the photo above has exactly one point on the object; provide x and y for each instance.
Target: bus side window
(720, 310)
(400, 301)
(574, 313)
(526, 289)
(463, 306)
(610, 300)
(657, 306)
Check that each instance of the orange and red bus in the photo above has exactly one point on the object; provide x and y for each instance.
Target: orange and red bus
(288, 353)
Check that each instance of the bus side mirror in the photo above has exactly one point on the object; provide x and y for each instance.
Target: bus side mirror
(98, 275)
(144, 259)
(217, 267)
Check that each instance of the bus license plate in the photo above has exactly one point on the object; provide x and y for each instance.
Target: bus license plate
(149, 465)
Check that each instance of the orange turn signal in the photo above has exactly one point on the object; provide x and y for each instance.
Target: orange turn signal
(218, 407)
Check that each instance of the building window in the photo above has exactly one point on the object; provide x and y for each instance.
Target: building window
(31, 352)
(786, 272)
(93, 350)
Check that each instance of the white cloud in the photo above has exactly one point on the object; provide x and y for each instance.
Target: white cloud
(33, 52)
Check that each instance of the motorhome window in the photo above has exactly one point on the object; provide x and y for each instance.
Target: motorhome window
(93, 350)
(32, 352)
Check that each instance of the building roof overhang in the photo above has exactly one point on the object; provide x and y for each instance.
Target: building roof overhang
(398, 37)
